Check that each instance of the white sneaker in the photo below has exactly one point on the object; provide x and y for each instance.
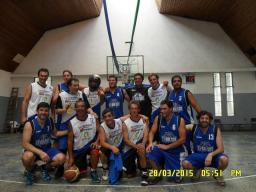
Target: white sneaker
(105, 175)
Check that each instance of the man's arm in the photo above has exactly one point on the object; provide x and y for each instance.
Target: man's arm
(126, 96)
(193, 102)
(182, 136)
(26, 138)
(25, 102)
(70, 145)
(168, 87)
(59, 108)
(145, 134)
(56, 93)
(153, 131)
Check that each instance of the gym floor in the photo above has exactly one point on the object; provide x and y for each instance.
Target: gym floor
(240, 174)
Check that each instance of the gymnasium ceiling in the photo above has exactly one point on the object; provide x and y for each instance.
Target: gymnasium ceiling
(236, 17)
(23, 22)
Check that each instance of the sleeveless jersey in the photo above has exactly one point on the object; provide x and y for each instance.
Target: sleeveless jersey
(84, 133)
(204, 142)
(94, 100)
(39, 94)
(115, 101)
(41, 136)
(135, 131)
(168, 132)
(181, 106)
(113, 136)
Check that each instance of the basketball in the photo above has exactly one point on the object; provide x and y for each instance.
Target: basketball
(71, 174)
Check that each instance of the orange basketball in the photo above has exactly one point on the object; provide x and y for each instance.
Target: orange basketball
(71, 174)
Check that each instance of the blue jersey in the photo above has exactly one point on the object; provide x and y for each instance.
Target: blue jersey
(115, 101)
(63, 87)
(181, 106)
(41, 136)
(168, 132)
(204, 142)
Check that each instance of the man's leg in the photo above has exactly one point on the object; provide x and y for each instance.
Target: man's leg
(28, 160)
(94, 159)
(143, 166)
(220, 162)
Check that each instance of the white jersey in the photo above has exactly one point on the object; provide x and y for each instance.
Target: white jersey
(92, 96)
(135, 131)
(156, 96)
(39, 94)
(84, 131)
(67, 98)
(113, 136)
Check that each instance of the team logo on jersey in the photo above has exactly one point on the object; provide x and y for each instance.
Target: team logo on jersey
(173, 127)
(180, 98)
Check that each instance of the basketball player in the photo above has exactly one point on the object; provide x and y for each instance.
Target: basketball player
(65, 108)
(156, 93)
(114, 97)
(95, 94)
(183, 102)
(208, 147)
(82, 137)
(34, 94)
(169, 151)
(135, 134)
(140, 93)
(36, 142)
(110, 135)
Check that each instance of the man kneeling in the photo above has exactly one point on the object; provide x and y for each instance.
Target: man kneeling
(82, 140)
(208, 148)
(36, 142)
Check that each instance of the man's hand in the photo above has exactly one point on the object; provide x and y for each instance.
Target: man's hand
(44, 157)
(208, 160)
(165, 83)
(94, 114)
(162, 146)
(101, 91)
(115, 150)
(140, 148)
(95, 145)
(149, 147)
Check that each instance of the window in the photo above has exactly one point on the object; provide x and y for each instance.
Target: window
(229, 90)
(48, 82)
(217, 94)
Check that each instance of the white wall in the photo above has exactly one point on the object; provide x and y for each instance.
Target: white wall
(5, 83)
(169, 44)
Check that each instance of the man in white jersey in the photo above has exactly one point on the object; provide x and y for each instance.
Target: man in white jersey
(135, 134)
(156, 93)
(36, 93)
(82, 140)
(110, 135)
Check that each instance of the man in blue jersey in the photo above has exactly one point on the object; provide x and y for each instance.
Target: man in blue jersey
(82, 140)
(115, 96)
(169, 151)
(36, 142)
(183, 102)
(95, 94)
(208, 148)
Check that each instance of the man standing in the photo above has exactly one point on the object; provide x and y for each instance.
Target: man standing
(140, 93)
(171, 133)
(82, 140)
(114, 97)
(36, 142)
(34, 94)
(183, 101)
(208, 148)
(95, 94)
(135, 133)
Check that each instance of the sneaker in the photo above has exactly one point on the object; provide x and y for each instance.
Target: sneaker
(220, 180)
(95, 177)
(105, 175)
(59, 172)
(45, 174)
(144, 179)
(196, 175)
(154, 180)
(29, 178)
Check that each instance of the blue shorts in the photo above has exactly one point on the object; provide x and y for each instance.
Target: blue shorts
(51, 152)
(198, 159)
(166, 159)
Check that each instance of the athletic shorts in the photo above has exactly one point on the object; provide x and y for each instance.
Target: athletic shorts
(166, 159)
(198, 160)
(51, 152)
